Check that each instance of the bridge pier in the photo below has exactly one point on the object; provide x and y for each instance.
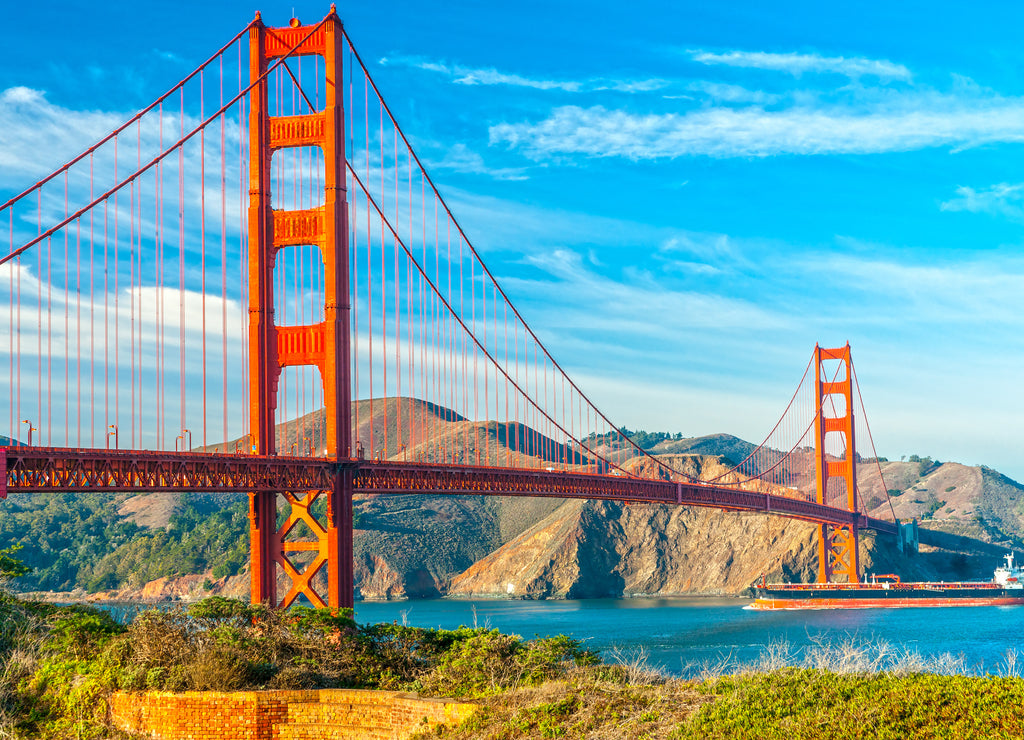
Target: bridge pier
(340, 576)
(264, 547)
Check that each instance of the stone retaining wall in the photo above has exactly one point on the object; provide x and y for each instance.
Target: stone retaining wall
(281, 715)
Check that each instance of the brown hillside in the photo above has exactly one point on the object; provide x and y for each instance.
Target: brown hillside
(421, 546)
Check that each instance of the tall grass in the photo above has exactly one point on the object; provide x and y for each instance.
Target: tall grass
(849, 655)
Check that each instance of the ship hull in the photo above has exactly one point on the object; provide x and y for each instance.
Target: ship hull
(874, 596)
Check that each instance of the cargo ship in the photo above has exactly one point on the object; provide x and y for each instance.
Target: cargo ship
(1006, 588)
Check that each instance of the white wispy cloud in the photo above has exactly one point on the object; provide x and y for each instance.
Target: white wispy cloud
(462, 75)
(891, 125)
(621, 296)
(1003, 199)
(461, 158)
(799, 64)
(126, 332)
(168, 56)
(979, 291)
(630, 86)
(36, 136)
(726, 93)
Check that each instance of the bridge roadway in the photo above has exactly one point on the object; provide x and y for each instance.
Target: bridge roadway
(42, 469)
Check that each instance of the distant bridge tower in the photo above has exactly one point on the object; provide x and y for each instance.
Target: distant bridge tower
(325, 345)
(838, 551)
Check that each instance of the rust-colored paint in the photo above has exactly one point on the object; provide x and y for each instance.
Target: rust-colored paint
(54, 469)
(325, 345)
(838, 551)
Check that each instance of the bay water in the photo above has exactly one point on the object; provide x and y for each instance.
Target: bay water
(686, 636)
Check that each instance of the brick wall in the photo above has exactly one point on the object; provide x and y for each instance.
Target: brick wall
(281, 715)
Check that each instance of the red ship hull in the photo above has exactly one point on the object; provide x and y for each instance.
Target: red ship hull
(884, 595)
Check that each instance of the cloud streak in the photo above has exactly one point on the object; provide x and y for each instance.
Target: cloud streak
(725, 93)
(800, 64)
(1003, 199)
(968, 292)
(461, 158)
(462, 75)
(36, 136)
(915, 122)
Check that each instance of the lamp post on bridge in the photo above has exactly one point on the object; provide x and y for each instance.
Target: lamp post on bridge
(30, 430)
(250, 447)
(185, 434)
(112, 430)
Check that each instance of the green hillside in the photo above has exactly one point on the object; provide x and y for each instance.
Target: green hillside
(79, 540)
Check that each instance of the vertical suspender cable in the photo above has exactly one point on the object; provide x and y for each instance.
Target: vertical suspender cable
(92, 311)
(223, 262)
(117, 312)
(398, 312)
(67, 327)
(181, 271)
(202, 237)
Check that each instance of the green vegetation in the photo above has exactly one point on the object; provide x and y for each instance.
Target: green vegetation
(647, 440)
(786, 704)
(80, 541)
(59, 664)
(194, 541)
(808, 703)
(10, 566)
(933, 505)
(925, 465)
(642, 439)
(874, 689)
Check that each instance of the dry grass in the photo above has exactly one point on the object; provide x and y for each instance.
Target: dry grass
(176, 650)
(628, 698)
(589, 702)
(636, 666)
(851, 655)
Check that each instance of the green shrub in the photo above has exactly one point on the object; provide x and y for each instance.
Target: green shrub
(325, 621)
(807, 703)
(487, 662)
(80, 632)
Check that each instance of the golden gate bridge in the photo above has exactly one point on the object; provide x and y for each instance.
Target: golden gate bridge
(254, 285)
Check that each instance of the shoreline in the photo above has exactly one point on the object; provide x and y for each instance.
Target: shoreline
(81, 597)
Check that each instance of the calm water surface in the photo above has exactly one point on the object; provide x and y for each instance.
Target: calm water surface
(678, 633)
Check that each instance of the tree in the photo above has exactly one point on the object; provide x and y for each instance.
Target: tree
(10, 566)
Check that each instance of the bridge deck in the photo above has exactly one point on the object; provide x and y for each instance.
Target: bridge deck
(62, 469)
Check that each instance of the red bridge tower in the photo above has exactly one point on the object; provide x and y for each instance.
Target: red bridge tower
(325, 345)
(838, 553)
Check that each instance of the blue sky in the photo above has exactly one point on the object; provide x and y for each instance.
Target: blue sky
(681, 201)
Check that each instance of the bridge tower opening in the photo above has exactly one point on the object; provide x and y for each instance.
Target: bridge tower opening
(835, 472)
(327, 539)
